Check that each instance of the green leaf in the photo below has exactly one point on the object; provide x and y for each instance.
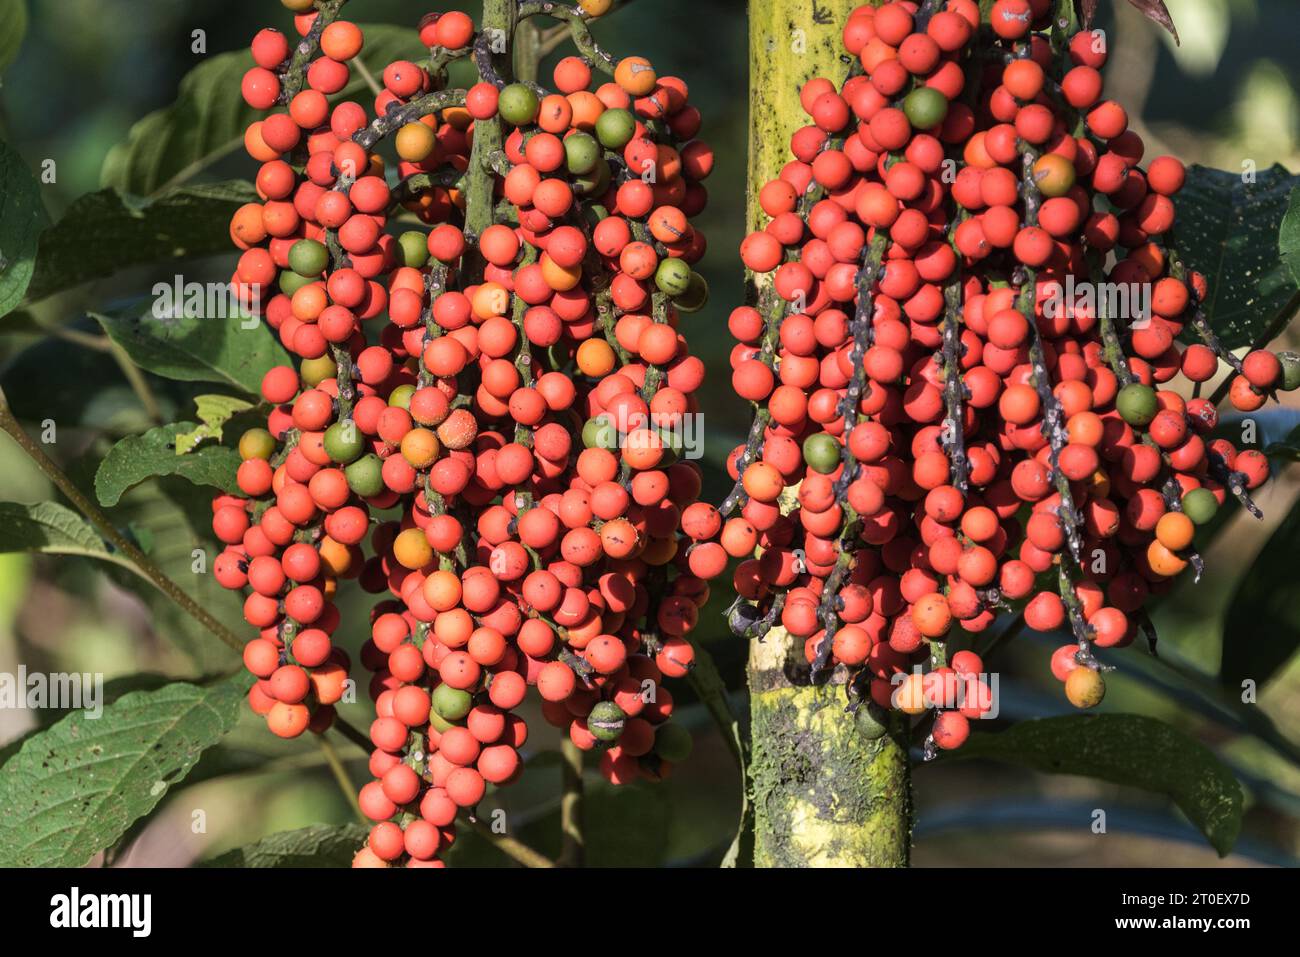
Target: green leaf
(140, 457)
(320, 845)
(73, 790)
(105, 231)
(36, 396)
(230, 351)
(1289, 236)
(708, 685)
(46, 527)
(22, 218)
(1126, 749)
(13, 27)
(1261, 629)
(214, 411)
(51, 529)
(610, 842)
(171, 519)
(209, 117)
(1229, 230)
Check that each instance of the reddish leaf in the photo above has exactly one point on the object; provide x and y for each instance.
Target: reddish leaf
(1156, 12)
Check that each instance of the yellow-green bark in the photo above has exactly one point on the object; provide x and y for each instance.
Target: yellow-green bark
(828, 790)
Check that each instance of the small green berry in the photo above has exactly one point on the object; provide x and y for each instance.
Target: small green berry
(343, 441)
(316, 371)
(606, 721)
(365, 476)
(821, 452)
(518, 105)
(1200, 505)
(673, 277)
(451, 703)
(615, 128)
(415, 248)
(1137, 404)
(256, 444)
(308, 257)
(925, 108)
(1290, 371)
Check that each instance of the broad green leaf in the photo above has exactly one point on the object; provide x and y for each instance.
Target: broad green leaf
(208, 119)
(320, 845)
(52, 529)
(13, 27)
(171, 521)
(111, 406)
(610, 840)
(105, 231)
(606, 811)
(227, 350)
(141, 457)
(1289, 236)
(1287, 448)
(214, 411)
(73, 790)
(707, 683)
(1229, 230)
(1261, 629)
(22, 218)
(1126, 749)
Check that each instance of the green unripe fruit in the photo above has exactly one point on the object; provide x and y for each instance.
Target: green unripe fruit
(400, 397)
(343, 441)
(439, 723)
(606, 721)
(307, 257)
(869, 721)
(821, 452)
(1200, 506)
(925, 108)
(365, 476)
(451, 703)
(291, 282)
(1137, 404)
(673, 277)
(673, 743)
(615, 128)
(600, 433)
(695, 296)
(415, 248)
(673, 446)
(316, 371)
(581, 152)
(518, 105)
(256, 444)
(1290, 371)
(594, 183)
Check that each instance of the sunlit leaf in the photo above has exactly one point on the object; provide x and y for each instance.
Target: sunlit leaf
(73, 790)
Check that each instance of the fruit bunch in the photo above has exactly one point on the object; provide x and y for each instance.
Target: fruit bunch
(948, 429)
(482, 425)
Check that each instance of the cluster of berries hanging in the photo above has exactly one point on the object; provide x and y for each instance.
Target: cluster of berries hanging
(942, 437)
(481, 424)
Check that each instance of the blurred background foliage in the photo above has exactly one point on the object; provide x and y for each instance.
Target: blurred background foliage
(88, 69)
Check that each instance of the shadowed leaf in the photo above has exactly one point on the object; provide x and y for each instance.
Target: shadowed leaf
(1126, 749)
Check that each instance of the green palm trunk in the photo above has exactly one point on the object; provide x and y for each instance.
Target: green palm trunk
(827, 791)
